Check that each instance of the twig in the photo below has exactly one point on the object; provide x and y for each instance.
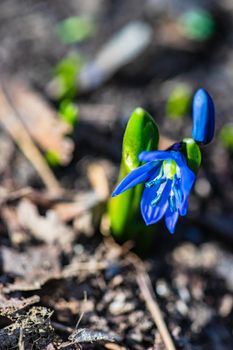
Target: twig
(75, 268)
(145, 286)
(21, 342)
(146, 289)
(16, 129)
(60, 327)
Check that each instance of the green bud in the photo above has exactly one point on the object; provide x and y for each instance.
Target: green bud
(192, 153)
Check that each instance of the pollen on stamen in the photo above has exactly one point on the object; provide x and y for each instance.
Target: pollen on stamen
(169, 168)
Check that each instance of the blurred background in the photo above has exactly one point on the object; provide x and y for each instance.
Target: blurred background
(71, 73)
(107, 58)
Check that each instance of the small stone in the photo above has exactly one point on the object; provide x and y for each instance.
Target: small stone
(203, 188)
(117, 281)
(182, 308)
(137, 337)
(78, 249)
(201, 316)
(184, 294)
(162, 288)
(226, 305)
(120, 306)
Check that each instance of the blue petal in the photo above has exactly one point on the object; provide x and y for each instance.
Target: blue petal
(203, 117)
(187, 180)
(172, 203)
(171, 218)
(179, 158)
(151, 214)
(183, 207)
(148, 156)
(177, 191)
(182, 187)
(156, 180)
(136, 177)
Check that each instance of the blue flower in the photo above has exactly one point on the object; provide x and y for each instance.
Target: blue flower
(203, 117)
(168, 181)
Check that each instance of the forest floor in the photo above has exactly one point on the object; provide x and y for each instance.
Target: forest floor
(58, 263)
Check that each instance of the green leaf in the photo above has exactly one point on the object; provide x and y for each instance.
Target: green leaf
(226, 136)
(75, 29)
(68, 112)
(141, 134)
(66, 73)
(179, 101)
(53, 158)
(197, 24)
(193, 154)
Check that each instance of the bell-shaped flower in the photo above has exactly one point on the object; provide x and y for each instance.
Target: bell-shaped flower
(168, 181)
(203, 117)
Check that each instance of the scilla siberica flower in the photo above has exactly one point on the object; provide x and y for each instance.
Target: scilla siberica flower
(168, 181)
(166, 174)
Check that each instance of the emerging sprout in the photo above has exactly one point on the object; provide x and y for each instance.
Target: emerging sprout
(166, 177)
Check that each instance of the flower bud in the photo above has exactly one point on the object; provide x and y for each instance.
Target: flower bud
(203, 117)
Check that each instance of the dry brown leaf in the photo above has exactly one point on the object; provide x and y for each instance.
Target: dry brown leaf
(83, 203)
(9, 118)
(98, 178)
(47, 228)
(7, 149)
(40, 198)
(41, 120)
(31, 269)
(15, 231)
